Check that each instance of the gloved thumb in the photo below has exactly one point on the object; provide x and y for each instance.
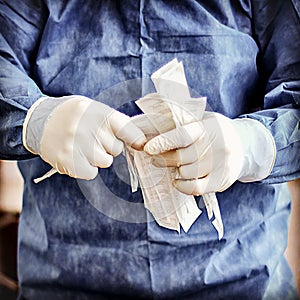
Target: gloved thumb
(125, 129)
(197, 186)
(179, 137)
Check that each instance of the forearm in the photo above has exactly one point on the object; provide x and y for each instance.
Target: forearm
(19, 41)
(12, 117)
(18, 93)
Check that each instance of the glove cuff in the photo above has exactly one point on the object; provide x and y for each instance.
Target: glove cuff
(35, 120)
(259, 149)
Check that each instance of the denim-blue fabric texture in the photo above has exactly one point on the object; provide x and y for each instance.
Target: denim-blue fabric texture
(243, 55)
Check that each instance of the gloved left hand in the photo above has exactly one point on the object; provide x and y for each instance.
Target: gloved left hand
(213, 153)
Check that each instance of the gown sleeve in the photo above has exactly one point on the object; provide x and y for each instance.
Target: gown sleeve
(276, 27)
(21, 24)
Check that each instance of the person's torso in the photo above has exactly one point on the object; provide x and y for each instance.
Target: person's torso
(96, 235)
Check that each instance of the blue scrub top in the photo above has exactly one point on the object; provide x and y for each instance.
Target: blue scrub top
(93, 239)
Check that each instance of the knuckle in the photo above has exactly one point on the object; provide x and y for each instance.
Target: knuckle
(64, 153)
(187, 155)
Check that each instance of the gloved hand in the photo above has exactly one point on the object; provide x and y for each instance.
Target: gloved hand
(75, 134)
(213, 153)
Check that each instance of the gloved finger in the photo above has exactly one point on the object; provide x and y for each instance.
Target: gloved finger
(100, 158)
(176, 158)
(180, 137)
(77, 168)
(106, 139)
(167, 159)
(126, 130)
(88, 173)
(194, 187)
(196, 170)
(200, 150)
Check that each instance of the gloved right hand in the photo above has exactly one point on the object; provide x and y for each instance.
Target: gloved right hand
(76, 134)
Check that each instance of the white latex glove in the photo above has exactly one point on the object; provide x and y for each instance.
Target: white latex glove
(75, 134)
(215, 152)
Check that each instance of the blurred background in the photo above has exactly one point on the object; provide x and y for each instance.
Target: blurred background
(11, 186)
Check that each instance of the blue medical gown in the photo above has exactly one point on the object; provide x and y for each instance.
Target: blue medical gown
(93, 239)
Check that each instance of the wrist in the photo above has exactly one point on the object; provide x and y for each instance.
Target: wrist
(36, 119)
(258, 147)
(27, 131)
